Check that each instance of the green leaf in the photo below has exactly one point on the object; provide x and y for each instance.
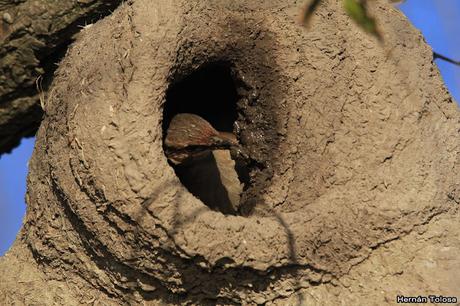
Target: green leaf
(357, 10)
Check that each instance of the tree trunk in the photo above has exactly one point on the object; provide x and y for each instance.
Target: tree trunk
(34, 35)
(350, 149)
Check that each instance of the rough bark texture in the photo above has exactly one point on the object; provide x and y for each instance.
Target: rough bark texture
(34, 36)
(354, 192)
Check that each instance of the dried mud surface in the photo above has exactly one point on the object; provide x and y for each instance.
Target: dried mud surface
(353, 197)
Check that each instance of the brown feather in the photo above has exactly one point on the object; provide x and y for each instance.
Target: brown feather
(187, 130)
(189, 136)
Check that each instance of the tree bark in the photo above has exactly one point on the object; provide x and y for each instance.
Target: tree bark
(34, 35)
(352, 151)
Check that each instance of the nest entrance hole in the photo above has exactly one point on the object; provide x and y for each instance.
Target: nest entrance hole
(211, 93)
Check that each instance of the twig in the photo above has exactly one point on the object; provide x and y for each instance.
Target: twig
(449, 60)
(308, 12)
(41, 94)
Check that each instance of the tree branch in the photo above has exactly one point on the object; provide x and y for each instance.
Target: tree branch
(34, 35)
(445, 58)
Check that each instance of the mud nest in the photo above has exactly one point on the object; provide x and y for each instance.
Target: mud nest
(347, 150)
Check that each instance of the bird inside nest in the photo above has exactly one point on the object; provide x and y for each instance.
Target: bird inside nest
(207, 161)
(189, 135)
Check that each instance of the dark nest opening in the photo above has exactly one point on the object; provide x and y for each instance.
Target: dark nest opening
(216, 177)
(209, 92)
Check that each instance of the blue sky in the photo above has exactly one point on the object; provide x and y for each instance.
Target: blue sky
(13, 172)
(438, 20)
